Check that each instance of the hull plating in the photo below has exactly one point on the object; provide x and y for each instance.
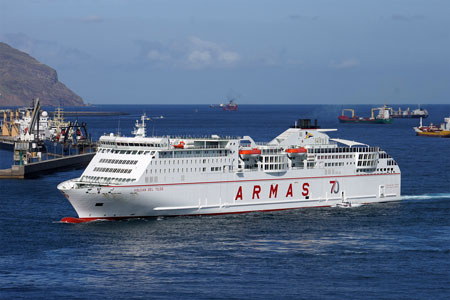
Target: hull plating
(229, 195)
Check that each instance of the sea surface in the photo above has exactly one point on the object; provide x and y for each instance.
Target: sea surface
(384, 251)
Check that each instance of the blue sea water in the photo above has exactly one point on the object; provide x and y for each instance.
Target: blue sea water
(384, 251)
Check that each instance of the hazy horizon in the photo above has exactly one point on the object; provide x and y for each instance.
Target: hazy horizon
(266, 52)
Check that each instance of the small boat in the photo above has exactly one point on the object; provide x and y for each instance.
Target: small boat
(292, 152)
(433, 130)
(180, 145)
(252, 152)
(383, 116)
(344, 204)
(230, 106)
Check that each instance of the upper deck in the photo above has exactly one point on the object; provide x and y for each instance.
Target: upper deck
(130, 159)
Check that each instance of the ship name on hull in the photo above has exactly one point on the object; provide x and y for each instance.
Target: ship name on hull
(273, 192)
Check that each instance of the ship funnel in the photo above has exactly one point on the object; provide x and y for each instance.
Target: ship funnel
(305, 124)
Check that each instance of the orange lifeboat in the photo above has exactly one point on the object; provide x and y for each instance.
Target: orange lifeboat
(180, 145)
(250, 152)
(295, 151)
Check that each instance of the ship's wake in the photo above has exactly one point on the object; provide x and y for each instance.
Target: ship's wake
(427, 196)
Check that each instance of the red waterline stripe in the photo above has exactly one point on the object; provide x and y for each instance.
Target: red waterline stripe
(250, 180)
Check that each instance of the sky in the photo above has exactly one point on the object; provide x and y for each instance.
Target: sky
(259, 51)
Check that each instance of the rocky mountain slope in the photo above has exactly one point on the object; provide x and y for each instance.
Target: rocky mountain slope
(23, 78)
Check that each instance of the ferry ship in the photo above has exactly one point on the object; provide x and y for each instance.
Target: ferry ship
(142, 176)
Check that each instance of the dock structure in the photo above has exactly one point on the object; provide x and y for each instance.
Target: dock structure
(91, 113)
(7, 142)
(35, 169)
(41, 146)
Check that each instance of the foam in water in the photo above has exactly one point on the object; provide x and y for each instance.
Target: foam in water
(427, 196)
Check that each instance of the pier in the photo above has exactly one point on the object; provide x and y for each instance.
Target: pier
(35, 169)
(91, 113)
(7, 142)
(41, 145)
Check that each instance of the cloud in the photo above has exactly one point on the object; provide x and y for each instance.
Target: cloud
(47, 52)
(346, 64)
(198, 57)
(407, 18)
(191, 53)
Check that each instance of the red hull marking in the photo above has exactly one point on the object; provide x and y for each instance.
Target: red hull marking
(305, 189)
(73, 220)
(239, 194)
(273, 190)
(289, 192)
(256, 191)
(231, 181)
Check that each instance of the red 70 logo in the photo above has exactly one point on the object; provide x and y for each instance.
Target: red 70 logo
(334, 186)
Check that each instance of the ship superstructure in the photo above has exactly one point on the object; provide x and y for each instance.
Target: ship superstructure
(144, 176)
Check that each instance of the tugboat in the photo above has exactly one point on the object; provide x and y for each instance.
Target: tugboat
(383, 117)
(230, 106)
(434, 130)
(408, 114)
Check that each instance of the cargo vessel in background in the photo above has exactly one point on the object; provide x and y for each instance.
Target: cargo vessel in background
(383, 116)
(140, 176)
(433, 130)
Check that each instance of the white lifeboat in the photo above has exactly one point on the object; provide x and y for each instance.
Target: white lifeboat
(180, 145)
(246, 153)
(293, 152)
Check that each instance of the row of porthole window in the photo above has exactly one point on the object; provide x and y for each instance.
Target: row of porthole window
(178, 153)
(105, 179)
(187, 161)
(334, 164)
(384, 155)
(127, 152)
(118, 161)
(368, 163)
(267, 159)
(364, 170)
(382, 170)
(182, 170)
(391, 163)
(271, 151)
(112, 170)
(130, 144)
(335, 156)
(366, 156)
(275, 166)
(388, 170)
(343, 149)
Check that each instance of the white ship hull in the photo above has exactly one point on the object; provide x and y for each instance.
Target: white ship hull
(232, 194)
(149, 177)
